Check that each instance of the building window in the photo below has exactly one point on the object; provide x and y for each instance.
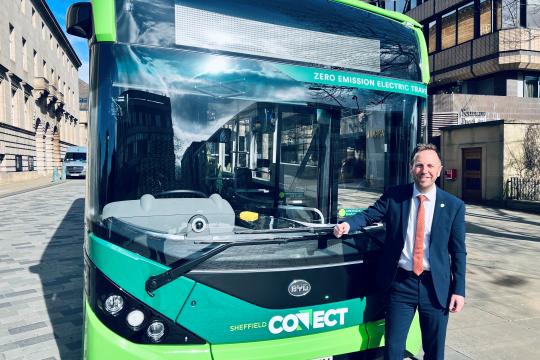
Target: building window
(51, 41)
(44, 68)
(34, 17)
(508, 14)
(23, 6)
(11, 42)
(26, 110)
(533, 14)
(18, 163)
(432, 36)
(466, 23)
(448, 30)
(389, 5)
(30, 163)
(401, 6)
(14, 106)
(25, 55)
(36, 63)
(486, 16)
(43, 31)
(531, 87)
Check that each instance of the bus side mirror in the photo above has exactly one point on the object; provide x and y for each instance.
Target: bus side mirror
(79, 20)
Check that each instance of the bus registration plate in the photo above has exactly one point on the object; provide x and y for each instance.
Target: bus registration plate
(325, 358)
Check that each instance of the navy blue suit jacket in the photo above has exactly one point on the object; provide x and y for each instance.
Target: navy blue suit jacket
(447, 246)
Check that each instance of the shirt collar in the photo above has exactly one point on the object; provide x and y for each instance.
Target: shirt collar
(430, 195)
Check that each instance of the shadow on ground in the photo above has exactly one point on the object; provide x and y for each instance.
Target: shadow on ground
(61, 274)
(511, 234)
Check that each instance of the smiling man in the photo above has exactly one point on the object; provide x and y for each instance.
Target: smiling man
(422, 265)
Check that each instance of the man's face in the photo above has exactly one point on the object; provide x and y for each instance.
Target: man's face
(425, 169)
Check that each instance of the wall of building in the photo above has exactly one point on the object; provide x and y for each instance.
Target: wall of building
(514, 135)
(39, 90)
(490, 138)
(457, 109)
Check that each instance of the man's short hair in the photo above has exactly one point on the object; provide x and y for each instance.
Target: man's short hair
(423, 147)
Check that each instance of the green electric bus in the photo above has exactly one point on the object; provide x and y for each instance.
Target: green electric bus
(225, 140)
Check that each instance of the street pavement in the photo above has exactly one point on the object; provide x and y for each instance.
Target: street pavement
(41, 238)
(41, 279)
(501, 318)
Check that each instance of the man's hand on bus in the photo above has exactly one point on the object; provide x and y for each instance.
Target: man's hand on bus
(456, 303)
(341, 229)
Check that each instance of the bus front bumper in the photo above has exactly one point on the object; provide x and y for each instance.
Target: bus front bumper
(101, 343)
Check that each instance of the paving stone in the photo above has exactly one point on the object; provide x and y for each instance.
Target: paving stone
(30, 267)
(27, 328)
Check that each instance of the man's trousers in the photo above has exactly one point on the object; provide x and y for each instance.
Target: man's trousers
(407, 294)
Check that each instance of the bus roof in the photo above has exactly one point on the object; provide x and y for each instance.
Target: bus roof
(104, 22)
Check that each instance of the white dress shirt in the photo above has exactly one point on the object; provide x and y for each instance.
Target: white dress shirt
(406, 259)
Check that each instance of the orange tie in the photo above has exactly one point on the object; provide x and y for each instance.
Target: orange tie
(418, 252)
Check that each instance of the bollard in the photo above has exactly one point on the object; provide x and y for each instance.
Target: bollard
(55, 176)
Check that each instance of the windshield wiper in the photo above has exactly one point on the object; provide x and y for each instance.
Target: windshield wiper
(314, 230)
(155, 282)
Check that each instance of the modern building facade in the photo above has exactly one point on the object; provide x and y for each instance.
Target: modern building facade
(484, 59)
(84, 92)
(487, 54)
(39, 91)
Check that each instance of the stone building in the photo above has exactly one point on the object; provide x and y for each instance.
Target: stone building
(39, 91)
(84, 93)
(487, 160)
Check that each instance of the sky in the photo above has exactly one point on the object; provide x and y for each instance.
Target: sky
(59, 9)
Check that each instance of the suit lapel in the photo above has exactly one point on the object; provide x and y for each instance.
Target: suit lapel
(405, 209)
(437, 211)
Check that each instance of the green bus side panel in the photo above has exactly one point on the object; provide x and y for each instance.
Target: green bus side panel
(220, 318)
(104, 20)
(100, 343)
(336, 342)
(130, 271)
(379, 11)
(375, 331)
(424, 61)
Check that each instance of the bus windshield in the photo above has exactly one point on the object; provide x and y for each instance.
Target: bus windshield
(196, 146)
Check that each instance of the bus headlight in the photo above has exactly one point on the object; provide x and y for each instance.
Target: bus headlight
(135, 319)
(155, 331)
(128, 316)
(114, 304)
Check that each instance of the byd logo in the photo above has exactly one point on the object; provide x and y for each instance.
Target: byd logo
(306, 320)
(299, 287)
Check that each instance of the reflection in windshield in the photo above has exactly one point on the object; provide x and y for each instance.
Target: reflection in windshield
(192, 152)
(268, 158)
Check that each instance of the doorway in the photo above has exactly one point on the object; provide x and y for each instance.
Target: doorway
(471, 187)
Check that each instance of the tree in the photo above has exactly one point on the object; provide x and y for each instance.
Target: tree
(531, 151)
